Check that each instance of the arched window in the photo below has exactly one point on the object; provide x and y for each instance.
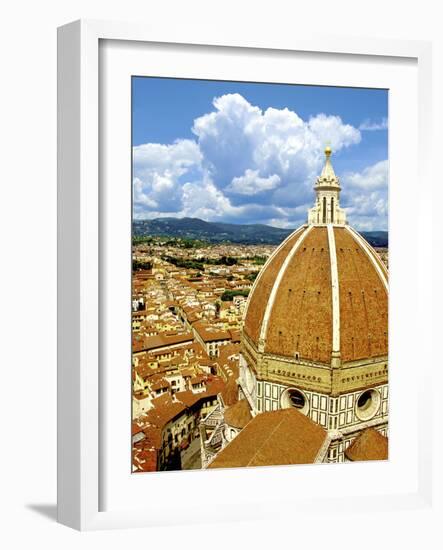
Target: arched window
(332, 210)
(324, 209)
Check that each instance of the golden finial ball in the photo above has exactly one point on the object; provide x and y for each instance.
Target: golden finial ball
(328, 151)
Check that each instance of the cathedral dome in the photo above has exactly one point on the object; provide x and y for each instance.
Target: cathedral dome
(323, 294)
(313, 365)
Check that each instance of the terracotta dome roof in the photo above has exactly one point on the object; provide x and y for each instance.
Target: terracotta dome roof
(368, 445)
(238, 415)
(323, 290)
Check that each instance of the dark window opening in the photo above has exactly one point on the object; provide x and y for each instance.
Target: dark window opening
(364, 400)
(297, 399)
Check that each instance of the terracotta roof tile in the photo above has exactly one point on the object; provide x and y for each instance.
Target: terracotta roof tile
(368, 445)
(363, 302)
(165, 410)
(163, 340)
(209, 334)
(260, 294)
(273, 438)
(238, 415)
(300, 319)
(230, 392)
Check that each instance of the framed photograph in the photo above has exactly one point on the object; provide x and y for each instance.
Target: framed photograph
(228, 213)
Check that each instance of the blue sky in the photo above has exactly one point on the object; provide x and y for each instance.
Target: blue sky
(250, 152)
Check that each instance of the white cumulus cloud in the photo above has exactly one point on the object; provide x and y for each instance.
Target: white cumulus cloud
(365, 196)
(251, 183)
(160, 172)
(372, 126)
(238, 139)
(372, 177)
(249, 165)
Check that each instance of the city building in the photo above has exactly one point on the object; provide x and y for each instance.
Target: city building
(170, 426)
(210, 337)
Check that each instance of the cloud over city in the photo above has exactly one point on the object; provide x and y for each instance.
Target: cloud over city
(372, 126)
(365, 196)
(248, 165)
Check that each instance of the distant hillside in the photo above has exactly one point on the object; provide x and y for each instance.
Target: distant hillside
(376, 238)
(215, 232)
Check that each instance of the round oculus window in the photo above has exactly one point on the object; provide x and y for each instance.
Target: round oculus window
(296, 399)
(367, 404)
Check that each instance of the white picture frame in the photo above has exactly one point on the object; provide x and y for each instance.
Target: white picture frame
(80, 205)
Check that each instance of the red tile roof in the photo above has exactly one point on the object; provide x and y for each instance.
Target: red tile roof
(209, 334)
(163, 340)
(238, 415)
(305, 289)
(368, 445)
(165, 410)
(273, 438)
